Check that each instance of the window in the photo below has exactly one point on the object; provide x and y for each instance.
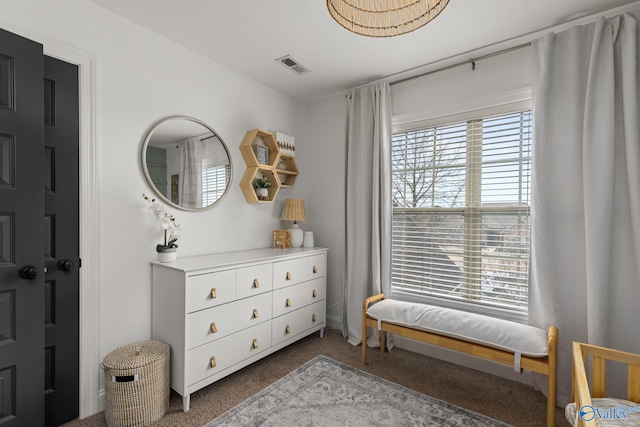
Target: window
(461, 205)
(216, 169)
(214, 182)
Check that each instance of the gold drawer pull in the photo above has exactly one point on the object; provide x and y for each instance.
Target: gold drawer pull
(315, 269)
(314, 294)
(313, 318)
(212, 361)
(255, 313)
(213, 293)
(256, 283)
(255, 343)
(214, 329)
(288, 303)
(288, 276)
(287, 330)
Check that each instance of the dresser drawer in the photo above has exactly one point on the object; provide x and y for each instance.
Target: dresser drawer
(217, 322)
(286, 273)
(210, 289)
(314, 266)
(291, 298)
(254, 280)
(297, 322)
(209, 359)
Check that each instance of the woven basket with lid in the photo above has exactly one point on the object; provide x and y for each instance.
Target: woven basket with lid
(137, 383)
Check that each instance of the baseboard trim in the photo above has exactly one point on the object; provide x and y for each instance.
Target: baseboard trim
(102, 400)
(334, 322)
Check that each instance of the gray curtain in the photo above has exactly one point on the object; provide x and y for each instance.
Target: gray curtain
(586, 190)
(191, 173)
(368, 204)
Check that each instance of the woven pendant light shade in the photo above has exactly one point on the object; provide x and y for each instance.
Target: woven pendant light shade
(384, 18)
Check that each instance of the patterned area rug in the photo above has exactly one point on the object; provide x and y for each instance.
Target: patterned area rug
(323, 392)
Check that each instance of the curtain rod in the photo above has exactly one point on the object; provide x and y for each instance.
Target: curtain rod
(471, 61)
(531, 36)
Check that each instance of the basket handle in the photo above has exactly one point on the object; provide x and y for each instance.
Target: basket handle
(124, 378)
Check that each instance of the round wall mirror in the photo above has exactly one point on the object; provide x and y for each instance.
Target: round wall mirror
(186, 163)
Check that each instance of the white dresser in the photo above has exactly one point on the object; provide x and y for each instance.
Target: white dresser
(222, 312)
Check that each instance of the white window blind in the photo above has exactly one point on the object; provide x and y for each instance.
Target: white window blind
(215, 169)
(214, 182)
(461, 197)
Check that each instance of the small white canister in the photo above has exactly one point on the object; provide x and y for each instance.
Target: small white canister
(308, 239)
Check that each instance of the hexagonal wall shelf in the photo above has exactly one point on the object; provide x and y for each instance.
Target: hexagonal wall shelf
(289, 172)
(279, 177)
(246, 184)
(249, 154)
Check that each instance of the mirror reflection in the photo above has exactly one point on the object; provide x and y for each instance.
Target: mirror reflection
(186, 163)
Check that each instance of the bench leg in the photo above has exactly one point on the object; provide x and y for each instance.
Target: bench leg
(364, 351)
(552, 391)
(551, 395)
(383, 341)
(364, 335)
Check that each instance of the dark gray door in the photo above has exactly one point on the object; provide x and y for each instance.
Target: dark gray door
(61, 249)
(21, 231)
(39, 292)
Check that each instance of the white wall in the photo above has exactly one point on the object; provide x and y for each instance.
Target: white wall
(454, 90)
(143, 78)
(322, 182)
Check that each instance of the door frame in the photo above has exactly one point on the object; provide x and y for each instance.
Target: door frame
(88, 67)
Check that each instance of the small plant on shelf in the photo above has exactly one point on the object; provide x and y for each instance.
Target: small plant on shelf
(261, 183)
(262, 188)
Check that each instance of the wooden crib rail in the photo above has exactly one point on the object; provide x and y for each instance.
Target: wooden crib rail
(599, 357)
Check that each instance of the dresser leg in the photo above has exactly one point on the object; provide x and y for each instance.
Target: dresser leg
(185, 402)
(322, 333)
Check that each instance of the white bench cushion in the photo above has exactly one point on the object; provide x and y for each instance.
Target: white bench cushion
(476, 328)
(606, 412)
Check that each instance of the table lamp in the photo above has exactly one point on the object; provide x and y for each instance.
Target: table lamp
(294, 211)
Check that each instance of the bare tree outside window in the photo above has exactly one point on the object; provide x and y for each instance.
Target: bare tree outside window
(429, 168)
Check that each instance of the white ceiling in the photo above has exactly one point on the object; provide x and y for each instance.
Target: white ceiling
(248, 35)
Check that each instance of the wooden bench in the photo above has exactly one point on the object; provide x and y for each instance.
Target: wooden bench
(543, 361)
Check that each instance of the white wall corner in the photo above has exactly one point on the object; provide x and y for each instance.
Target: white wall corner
(334, 322)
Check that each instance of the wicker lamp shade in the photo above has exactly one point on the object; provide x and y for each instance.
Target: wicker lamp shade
(293, 210)
(384, 18)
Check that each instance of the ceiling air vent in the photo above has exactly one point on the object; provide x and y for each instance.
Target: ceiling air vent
(293, 64)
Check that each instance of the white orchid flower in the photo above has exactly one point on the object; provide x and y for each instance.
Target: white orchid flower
(167, 222)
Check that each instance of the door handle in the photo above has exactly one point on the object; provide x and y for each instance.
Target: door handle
(65, 265)
(28, 272)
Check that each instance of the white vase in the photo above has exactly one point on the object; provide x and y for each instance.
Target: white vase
(262, 193)
(297, 235)
(168, 255)
(308, 239)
